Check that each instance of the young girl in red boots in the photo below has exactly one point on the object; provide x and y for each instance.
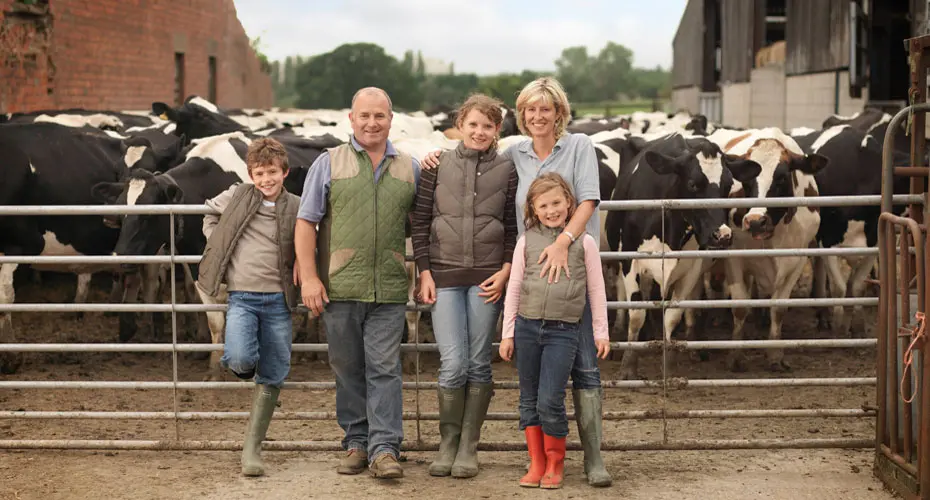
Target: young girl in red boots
(542, 324)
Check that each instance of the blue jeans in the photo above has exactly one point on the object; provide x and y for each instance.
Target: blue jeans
(364, 352)
(545, 351)
(464, 327)
(585, 372)
(258, 333)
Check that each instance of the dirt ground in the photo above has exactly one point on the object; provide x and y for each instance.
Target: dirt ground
(793, 474)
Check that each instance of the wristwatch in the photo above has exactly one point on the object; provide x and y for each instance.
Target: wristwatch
(570, 235)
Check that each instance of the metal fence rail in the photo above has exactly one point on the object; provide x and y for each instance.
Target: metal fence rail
(410, 415)
(670, 383)
(665, 384)
(682, 345)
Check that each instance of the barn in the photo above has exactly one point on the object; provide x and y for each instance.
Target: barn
(122, 55)
(790, 63)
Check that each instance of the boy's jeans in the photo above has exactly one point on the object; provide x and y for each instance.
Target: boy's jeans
(545, 352)
(258, 334)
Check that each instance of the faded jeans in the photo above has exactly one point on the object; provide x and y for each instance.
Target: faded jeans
(364, 352)
(258, 334)
(464, 327)
(545, 350)
(585, 372)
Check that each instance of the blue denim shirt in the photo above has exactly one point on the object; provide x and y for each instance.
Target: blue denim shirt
(573, 158)
(316, 185)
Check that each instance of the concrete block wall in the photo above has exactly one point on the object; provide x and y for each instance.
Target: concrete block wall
(768, 97)
(120, 54)
(686, 99)
(812, 98)
(737, 103)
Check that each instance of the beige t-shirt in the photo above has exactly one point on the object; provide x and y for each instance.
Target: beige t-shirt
(253, 266)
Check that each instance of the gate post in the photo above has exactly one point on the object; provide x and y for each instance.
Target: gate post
(902, 431)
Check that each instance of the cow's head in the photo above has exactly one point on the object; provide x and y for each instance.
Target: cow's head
(698, 125)
(703, 171)
(786, 172)
(141, 234)
(196, 118)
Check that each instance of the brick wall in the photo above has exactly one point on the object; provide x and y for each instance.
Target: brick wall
(120, 55)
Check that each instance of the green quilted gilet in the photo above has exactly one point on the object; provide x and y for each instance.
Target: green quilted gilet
(365, 224)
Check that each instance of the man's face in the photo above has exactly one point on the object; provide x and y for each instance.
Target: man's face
(371, 120)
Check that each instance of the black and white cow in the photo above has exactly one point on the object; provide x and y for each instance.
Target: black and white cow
(197, 118)
(855, 170)
(35, 173)
(671, 168)
(786, 172)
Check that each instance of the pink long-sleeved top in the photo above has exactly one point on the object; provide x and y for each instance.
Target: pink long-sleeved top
(595, 285)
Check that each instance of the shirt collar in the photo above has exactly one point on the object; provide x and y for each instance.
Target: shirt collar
(388, 151)
(527, 146)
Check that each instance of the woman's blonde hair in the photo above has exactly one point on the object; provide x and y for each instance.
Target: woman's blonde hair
(486, 105)
(549, 90)
(543, 184)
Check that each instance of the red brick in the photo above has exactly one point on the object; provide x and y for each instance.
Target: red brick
(118, 54)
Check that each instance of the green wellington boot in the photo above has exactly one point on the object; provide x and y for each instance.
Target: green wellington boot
(477, 399)
(451, 406)
(588, 418)
(263, 406)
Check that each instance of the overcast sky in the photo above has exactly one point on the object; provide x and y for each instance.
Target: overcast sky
(480, 36)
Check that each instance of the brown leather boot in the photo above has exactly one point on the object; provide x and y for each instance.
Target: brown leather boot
(536, 449)
(555, 462)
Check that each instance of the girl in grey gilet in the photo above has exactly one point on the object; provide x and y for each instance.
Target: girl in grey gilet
(464, 232)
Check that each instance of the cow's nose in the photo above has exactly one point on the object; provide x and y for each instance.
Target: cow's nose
(756, 222)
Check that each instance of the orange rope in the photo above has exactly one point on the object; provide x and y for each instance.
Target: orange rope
(917, 339)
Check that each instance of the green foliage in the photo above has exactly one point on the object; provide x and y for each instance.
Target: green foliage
(263, 61)
(329, 80)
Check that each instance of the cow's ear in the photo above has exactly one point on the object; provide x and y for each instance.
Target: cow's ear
(174, 193)
(809, 163)
(106, 192)
(661, 163)
(164, 111)
(637, 144)
(743, 170)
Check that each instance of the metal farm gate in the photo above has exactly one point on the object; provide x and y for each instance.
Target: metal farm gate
(415, 443)
(902, 437)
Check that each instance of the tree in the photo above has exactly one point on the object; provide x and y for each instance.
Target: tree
(443, 92)
(612, 71)
(574, 69)
(329, 80)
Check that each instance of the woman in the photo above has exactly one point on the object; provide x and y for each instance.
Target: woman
(543, 112)
(464, 232)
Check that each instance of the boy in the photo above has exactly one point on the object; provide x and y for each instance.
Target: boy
(250, 248)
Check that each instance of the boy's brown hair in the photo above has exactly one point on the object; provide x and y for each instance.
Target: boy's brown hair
(266, 151)
(540, 185)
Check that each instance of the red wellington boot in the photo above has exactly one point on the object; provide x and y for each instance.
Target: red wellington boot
(536, 449)
(555, 462)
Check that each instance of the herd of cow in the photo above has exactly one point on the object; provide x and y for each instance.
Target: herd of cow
(190, 153)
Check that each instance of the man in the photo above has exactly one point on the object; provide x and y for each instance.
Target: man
(360, 195)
